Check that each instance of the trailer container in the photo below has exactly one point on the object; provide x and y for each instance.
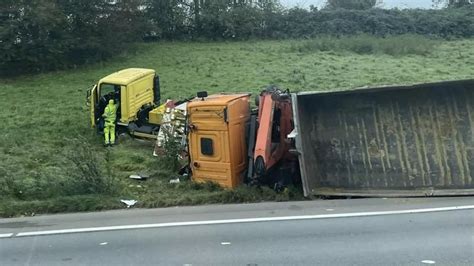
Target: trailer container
(409, 140)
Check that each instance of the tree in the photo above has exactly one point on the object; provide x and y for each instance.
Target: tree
(31, 35)
(351, 4)
(168, 17)
(453, 3)
(240, 19)
(39, 35)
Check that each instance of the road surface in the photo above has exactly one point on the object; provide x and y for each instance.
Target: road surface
(415, 231)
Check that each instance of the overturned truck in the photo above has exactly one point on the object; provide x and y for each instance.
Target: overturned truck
(386, 141)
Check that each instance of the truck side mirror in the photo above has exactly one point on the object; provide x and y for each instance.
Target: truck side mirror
(156, 90)
(202, 95)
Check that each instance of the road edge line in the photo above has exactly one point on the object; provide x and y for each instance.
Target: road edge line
(6, 235)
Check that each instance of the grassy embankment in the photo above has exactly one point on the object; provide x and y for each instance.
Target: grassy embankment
(51, 161)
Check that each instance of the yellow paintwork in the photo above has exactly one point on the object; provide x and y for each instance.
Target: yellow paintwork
(136, 90)
(227, 164)
(156, 115)
(127, 76)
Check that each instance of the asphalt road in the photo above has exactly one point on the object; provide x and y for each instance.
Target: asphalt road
(388, 237)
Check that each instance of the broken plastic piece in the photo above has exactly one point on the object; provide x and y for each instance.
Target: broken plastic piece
(129, 203)
(139, 176)
(174, 181)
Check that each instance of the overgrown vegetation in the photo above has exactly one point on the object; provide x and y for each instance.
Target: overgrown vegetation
(48, 152)
(84, 173)
(89, 173)
(40, 35)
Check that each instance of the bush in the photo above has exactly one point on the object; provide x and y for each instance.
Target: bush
(446, 23)
(86, 174)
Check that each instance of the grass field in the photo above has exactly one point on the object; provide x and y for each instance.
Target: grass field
(45, 126)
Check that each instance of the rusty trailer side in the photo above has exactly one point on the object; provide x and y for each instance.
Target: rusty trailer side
(411, 140)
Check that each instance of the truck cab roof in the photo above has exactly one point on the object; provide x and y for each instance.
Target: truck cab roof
(216, 100)
(126, 76)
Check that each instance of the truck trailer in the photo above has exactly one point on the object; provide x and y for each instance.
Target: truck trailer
(411, 140)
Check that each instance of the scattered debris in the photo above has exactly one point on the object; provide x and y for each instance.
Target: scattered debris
(173, 128)
(135, 177)
(129, 203)
(174, 181)
(139, 176)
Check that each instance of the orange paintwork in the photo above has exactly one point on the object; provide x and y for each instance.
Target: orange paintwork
(220, 120)
(272, 151)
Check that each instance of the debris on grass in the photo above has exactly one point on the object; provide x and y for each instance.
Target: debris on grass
(135, 177)
(175, 181)
(129, 203)
(139, 176)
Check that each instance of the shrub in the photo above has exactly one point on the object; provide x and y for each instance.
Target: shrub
(86, 174)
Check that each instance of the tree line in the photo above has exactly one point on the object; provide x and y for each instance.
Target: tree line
(39, 35)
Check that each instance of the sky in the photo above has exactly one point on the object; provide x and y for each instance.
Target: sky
(386, 3)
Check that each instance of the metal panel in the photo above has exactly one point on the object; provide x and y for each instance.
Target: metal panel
(387, 141)
(299, 147)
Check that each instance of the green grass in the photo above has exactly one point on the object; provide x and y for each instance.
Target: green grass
(45, 120)
(366, 44)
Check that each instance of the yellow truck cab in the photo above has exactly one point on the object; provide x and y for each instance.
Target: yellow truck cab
(136, 90)
(217, 138)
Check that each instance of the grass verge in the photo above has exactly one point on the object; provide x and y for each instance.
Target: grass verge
(366, 44)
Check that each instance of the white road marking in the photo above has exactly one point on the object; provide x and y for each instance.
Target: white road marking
(225, 243)
(329, 210)
(103, 243)
(428, 261)
(244, 220)
(6, 235)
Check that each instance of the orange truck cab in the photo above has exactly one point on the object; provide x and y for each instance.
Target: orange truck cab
(217, 138)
